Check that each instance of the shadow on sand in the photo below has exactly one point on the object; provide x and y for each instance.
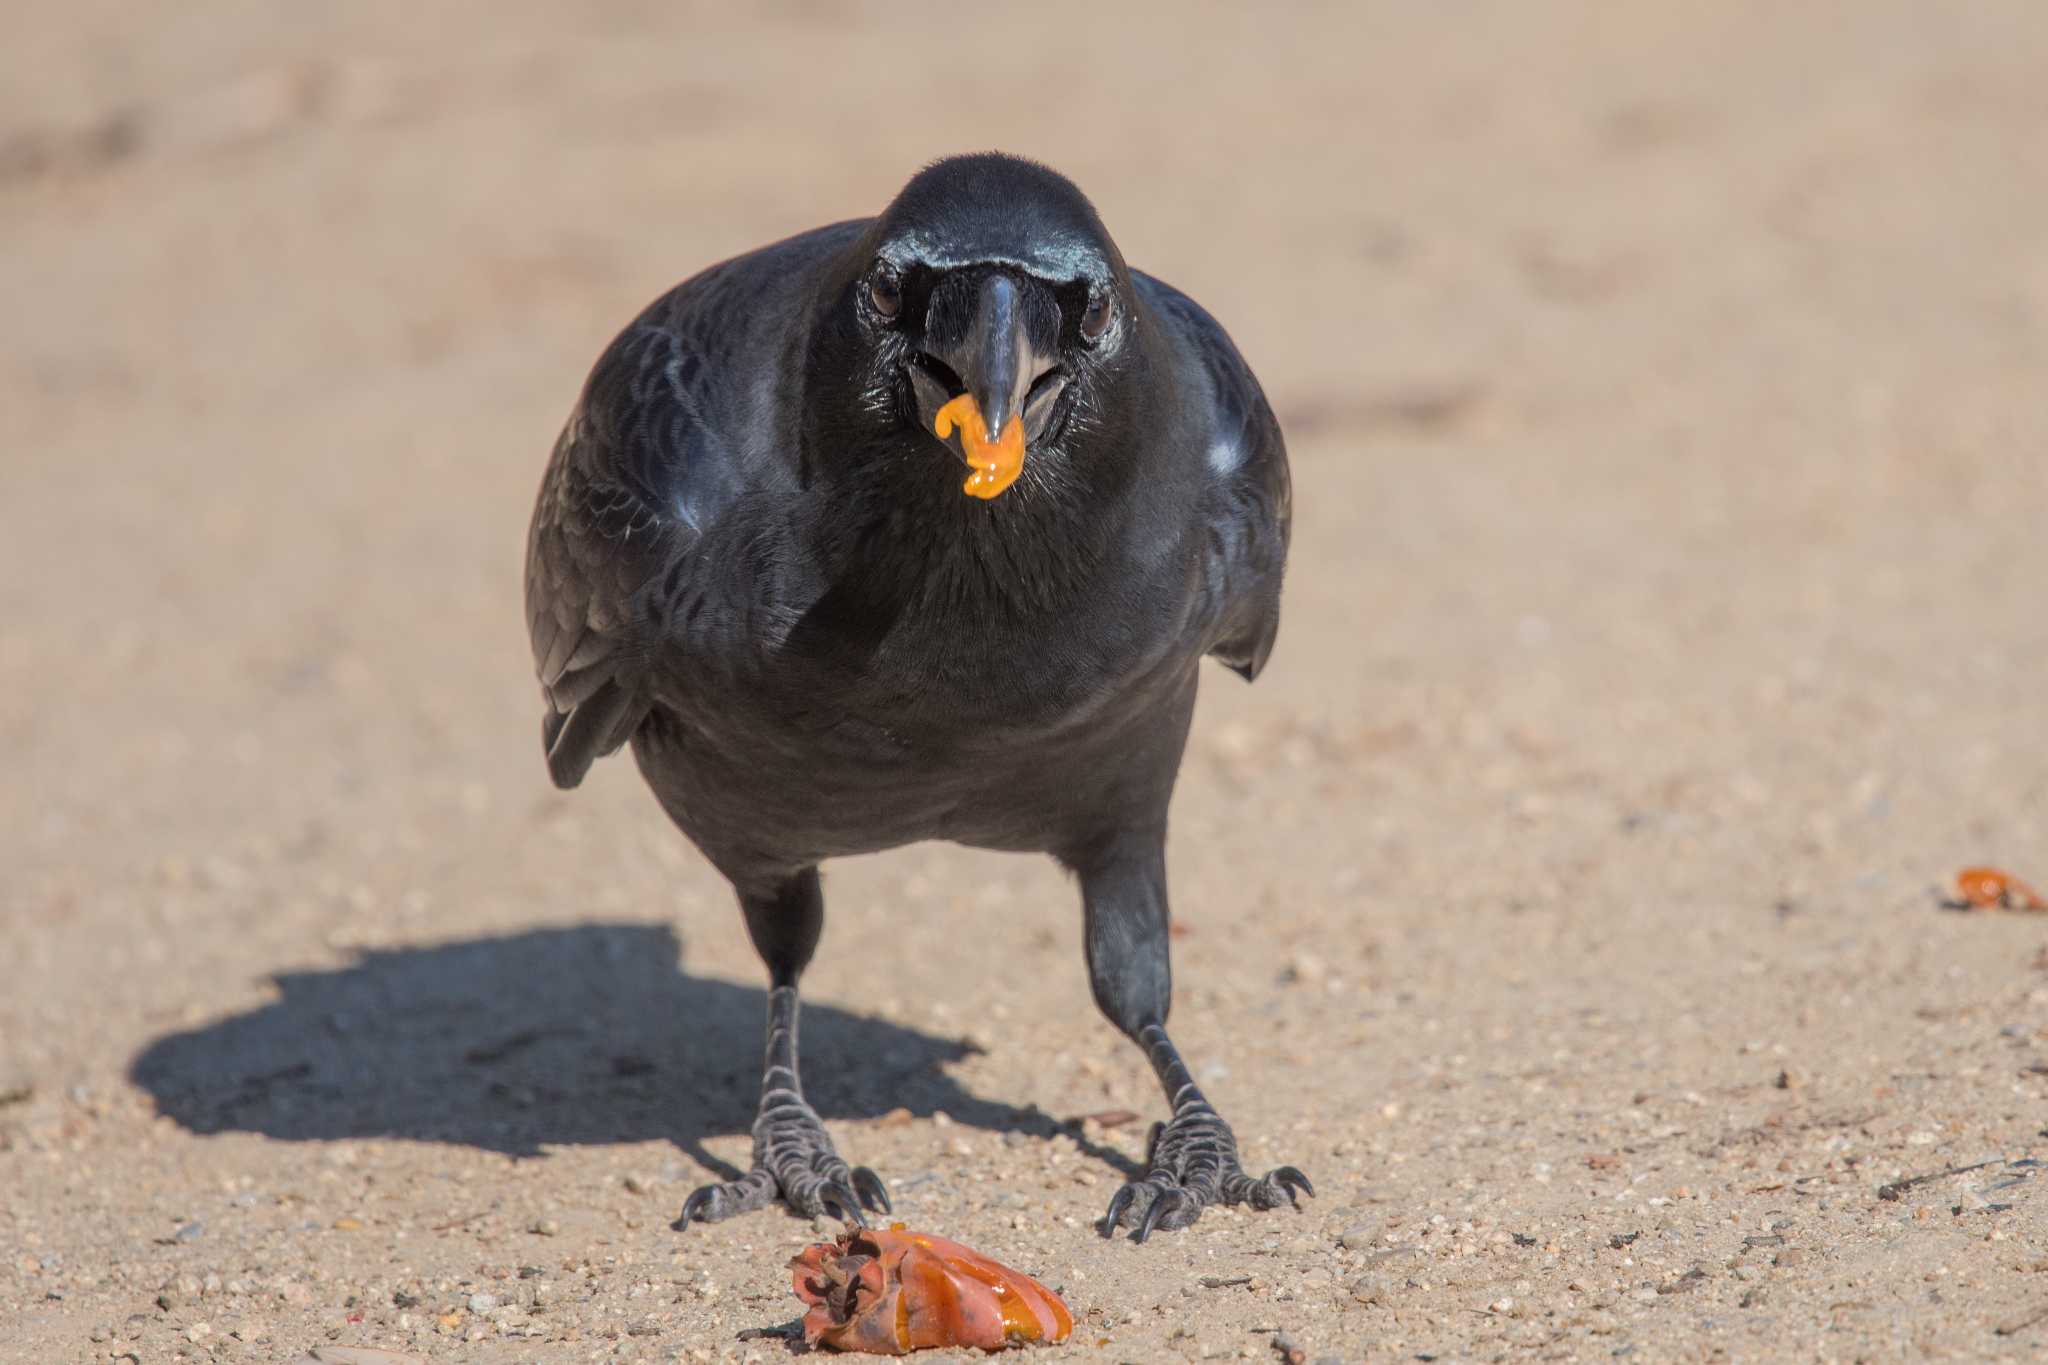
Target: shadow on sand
(558, 1036)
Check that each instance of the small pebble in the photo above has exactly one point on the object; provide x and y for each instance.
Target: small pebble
(1370, 1289)
(1304, 969)
(482, 1303)
(638, 1184)
(544, 1227)
(1357, 1237)
(191, 1232)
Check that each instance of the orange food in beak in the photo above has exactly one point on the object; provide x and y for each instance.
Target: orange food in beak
(996, 466)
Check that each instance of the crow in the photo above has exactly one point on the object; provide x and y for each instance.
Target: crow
(753, 559)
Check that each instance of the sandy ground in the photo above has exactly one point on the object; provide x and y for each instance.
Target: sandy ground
(1665, 386)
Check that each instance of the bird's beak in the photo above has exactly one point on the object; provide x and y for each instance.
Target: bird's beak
(998, 368)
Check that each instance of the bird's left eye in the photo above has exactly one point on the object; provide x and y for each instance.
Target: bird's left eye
(885, 292)
(1095, 321)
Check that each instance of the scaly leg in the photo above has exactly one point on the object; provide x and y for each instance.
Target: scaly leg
(1193, 1159)
(793, 1156)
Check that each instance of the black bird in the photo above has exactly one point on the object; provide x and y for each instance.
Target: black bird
(754, 560)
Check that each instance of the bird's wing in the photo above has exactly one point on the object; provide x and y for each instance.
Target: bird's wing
(620, 511)
(1248, 503)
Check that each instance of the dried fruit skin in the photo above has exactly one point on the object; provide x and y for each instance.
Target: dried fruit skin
(893, 1292)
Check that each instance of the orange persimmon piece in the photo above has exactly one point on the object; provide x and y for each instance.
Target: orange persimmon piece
(1987, 888)
(996, 465)
(893, 1292)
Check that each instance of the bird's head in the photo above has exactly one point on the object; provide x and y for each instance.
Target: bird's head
(989, 298)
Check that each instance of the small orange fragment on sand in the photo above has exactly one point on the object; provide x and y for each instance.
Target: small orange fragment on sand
(1987, 888)
(996, 464)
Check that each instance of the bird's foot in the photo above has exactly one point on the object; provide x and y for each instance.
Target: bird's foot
(795, 1159)
(1193, 1164)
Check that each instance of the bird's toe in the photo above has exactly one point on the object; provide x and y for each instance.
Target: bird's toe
(797, 1162)
(1172, 1208)
(1120, 1203)
(1290, 1180)
(1193, 1164)
(874, 1195)
(713, 1203)
(838, 1198)
(697, 1208)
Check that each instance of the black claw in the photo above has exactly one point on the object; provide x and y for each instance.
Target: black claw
(696, 1206)
(1165, 1202)
(1118, 1204)
(839, 1194)
(1289, 1179)
(873, 1193)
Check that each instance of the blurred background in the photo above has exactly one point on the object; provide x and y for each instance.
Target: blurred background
(1664, 385)
(1698, 344)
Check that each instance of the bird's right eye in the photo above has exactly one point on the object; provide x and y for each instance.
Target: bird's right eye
(1095, 321)
(885, 293)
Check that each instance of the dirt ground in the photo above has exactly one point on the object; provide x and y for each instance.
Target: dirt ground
(1665, 387)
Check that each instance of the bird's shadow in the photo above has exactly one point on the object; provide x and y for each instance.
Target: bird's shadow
(547, 1038)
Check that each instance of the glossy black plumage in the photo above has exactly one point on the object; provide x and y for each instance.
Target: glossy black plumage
(753, 561)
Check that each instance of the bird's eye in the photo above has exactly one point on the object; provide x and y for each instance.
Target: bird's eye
(1095, 321)
(885, 292)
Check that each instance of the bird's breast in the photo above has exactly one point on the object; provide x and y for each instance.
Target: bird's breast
(833, 760)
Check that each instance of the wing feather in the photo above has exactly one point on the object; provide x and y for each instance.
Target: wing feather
(1249, 507)
(612, 529)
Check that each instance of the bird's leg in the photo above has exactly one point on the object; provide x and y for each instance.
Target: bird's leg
(793, 1156)
(1192, 1160)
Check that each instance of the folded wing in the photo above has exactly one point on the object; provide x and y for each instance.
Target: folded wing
(1248, 508)
(609, 554)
